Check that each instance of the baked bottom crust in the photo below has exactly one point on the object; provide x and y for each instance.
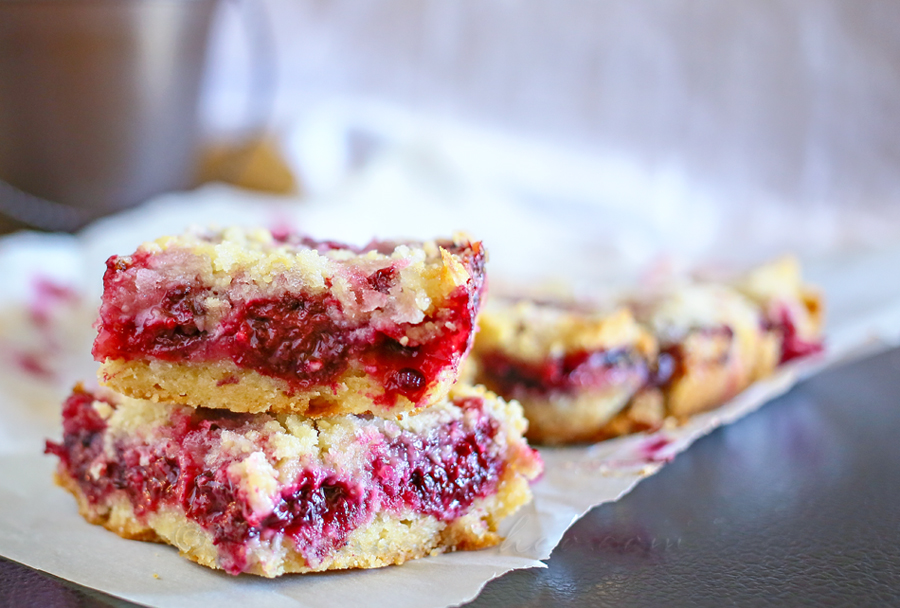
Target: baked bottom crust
(559, 419)
(223, 385)
(702, 388)
(645, 412)
(267, 494)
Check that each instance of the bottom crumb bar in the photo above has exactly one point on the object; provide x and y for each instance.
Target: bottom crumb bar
(269, 495)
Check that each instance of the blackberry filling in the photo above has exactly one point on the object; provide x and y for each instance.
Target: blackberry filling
(572, 372)
(793, 346)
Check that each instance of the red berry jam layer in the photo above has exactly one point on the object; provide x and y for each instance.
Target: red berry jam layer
(303, 312)
(574, 372)
(207, 464)
(793, 345)
(672, 361)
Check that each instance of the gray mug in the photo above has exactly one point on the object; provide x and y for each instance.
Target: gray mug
(98, 105)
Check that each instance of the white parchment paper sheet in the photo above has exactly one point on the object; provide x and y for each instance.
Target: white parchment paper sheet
(47, 306)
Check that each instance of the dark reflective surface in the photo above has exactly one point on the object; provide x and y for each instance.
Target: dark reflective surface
(794, 505)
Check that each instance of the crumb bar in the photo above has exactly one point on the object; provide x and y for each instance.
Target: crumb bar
(792, 310)
(270, 494)
(712, 344)
(251, 321)
(573, 369)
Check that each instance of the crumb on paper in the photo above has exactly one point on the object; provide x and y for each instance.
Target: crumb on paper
(33, 365)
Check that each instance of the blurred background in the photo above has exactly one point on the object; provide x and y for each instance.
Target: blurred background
(578, 138)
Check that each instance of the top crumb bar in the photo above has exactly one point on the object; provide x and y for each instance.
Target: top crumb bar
(252, 321)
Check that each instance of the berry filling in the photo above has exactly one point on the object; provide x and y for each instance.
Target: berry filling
(671, 363)
(443, 473)
(304, 339)
(439, 474)
(793, 346)
(572, 372)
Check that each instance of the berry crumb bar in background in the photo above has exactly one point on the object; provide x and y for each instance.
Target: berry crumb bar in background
(712, 343)
(792, 310)
(269, 494)
(250, 321)
(718, 338)
(574, 370)
(585, 375)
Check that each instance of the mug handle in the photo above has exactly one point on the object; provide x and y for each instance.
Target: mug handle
(39, 212)
(260, 106)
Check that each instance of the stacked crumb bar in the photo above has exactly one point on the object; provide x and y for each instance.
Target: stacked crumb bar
(274, 404)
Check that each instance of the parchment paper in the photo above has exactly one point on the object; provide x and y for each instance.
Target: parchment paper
(47, 306)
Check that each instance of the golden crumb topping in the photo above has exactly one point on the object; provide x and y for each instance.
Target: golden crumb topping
(254, 263)
(532, 331)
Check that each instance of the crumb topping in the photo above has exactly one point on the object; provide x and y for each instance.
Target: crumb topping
(534, 332)
(675, 313)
